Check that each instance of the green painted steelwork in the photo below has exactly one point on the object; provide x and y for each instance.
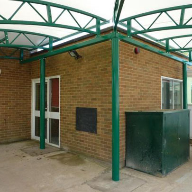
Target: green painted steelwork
(12, 55)
(118, 14)
(173, 25)
(28, 32)
(61, 7)
(158, 11)
(190, 56)
(150, 48)
(42, 103)
(48, 22)
(167, 46)
(185, 105)
(5, 41)
(21, 55)
(115, 109)
(96, 40)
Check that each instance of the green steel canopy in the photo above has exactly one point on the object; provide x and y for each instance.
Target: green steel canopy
(38, 24)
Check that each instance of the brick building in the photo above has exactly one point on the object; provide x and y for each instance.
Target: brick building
(85, 83)
(75, 94)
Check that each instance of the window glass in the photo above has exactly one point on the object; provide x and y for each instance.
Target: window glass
(37, 127)
(54, 131)
(167, 94)
(171, 94)
(177, 95)
(54, 95)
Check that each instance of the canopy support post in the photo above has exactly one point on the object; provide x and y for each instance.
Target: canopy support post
(185, 105)
(115, 109)
(42, 103)
(21, 54)
(190, 56)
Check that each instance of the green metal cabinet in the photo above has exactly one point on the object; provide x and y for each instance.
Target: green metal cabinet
(157, 142)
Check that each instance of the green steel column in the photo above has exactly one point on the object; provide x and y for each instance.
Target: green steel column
(42, 103)
(21, 54)
(185, 106)
(115, 109)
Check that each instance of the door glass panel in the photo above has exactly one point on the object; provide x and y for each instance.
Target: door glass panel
(54, 95)
(37, 127)
(37, 97)
(177, 95)
(54, 131)
(167, 94)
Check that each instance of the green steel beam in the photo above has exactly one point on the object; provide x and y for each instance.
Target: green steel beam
(23, 46)
(21, 54)
(150, 48)
(167, 46)
(118, 14)
(7, 57)
(151, 28)
(96, 40)
(128, 28)
(115, 10)
(180, 49)
(62, 7)
(48, 22)
(190, 56)
(50, 43)
(115, 109)
(28, 32)
(42, 103)
(175, 37)
(182, 16)
(162, 29)
(6, 37)
(98, 27)
(53, 25)
(185, 106)
(2, 40)
(157, 11)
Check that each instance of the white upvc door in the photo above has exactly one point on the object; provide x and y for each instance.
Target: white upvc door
(52, 110)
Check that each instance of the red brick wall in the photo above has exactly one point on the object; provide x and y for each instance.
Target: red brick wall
(140, 82)
(15, 101)
(84, 83)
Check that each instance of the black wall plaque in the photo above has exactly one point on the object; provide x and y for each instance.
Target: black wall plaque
(86, 119)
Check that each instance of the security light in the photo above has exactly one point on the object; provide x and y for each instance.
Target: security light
(74, 54)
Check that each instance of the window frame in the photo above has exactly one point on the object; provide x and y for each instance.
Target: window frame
(172, 79)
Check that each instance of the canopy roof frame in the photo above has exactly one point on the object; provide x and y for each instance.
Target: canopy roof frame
(115, 37)
(174, 25)
(48, 22)
(99, 21)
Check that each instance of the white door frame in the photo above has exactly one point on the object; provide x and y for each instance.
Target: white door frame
(48, 115)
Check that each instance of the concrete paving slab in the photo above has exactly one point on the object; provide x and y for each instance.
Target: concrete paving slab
(60, 171)
(104, 183)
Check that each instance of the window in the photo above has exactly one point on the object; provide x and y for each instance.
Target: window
(171, 93)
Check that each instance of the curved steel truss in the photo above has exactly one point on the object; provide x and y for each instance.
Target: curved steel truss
(10, 37)
(178, 21)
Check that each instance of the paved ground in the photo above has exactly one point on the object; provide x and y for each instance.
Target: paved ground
(25, 168)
